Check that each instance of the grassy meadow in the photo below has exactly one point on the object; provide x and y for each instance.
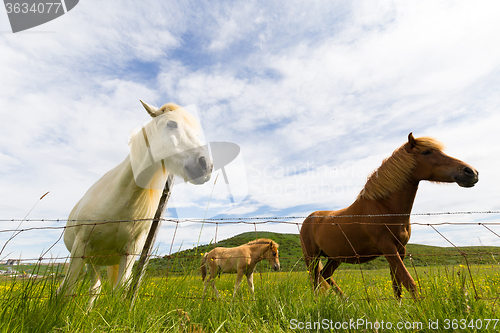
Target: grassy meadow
(284, 302)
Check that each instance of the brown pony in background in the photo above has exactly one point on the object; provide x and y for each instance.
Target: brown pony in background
(378, 222)
(241, 260)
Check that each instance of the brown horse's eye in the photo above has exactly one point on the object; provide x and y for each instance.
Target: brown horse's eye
(427, 152)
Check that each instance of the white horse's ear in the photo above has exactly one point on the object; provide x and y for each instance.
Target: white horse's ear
(152, 110)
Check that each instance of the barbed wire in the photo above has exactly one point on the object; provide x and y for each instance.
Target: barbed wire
(59, 259)
(244, 220)
(254, 220)
(270, 218)
(260, 221)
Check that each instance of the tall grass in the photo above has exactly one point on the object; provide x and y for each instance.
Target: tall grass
(283, 301)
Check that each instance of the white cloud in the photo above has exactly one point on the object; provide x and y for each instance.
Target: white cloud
(8, 162)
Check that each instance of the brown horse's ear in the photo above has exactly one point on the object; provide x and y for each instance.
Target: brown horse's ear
(411, 143)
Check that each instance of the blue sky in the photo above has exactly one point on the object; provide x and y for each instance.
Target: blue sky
(316, 95)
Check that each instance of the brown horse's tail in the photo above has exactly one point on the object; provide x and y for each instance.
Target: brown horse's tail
(204, 267)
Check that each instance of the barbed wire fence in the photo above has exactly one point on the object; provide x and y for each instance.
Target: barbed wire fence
(258, 224)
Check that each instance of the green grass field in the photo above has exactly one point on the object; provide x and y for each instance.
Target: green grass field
(284, 302)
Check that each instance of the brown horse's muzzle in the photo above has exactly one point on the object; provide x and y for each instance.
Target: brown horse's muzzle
(276, 267)
(467, 177)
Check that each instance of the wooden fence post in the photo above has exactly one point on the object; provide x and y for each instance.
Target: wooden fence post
(140, 269)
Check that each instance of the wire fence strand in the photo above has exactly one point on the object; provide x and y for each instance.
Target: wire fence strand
(259, 223)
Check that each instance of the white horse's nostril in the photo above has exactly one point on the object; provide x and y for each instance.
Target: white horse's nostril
(203, 162)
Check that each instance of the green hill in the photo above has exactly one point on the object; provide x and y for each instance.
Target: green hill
(290, 254)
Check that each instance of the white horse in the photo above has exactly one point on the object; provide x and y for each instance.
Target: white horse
(109, 225)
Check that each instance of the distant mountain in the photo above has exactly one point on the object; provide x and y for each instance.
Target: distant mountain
(290, 255)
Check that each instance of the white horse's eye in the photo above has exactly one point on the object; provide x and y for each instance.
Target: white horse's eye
(172, 124)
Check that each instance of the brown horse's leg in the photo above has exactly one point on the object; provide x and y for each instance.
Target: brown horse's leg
(313, 265)
(400, 274)
(311, 251)
(215, 288)
(239, 277)
(211, 278)
(396, 281)
(327, 272)
(207, 281)
(313, 268)
(250, 284)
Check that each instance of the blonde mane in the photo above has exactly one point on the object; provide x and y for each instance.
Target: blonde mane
(395, 171)
(264, 241)
(176, 113)
(180, 114)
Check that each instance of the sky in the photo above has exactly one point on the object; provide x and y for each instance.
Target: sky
(315, 94)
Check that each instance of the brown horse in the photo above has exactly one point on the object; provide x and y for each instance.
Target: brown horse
(240, 260)
(378, 222)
